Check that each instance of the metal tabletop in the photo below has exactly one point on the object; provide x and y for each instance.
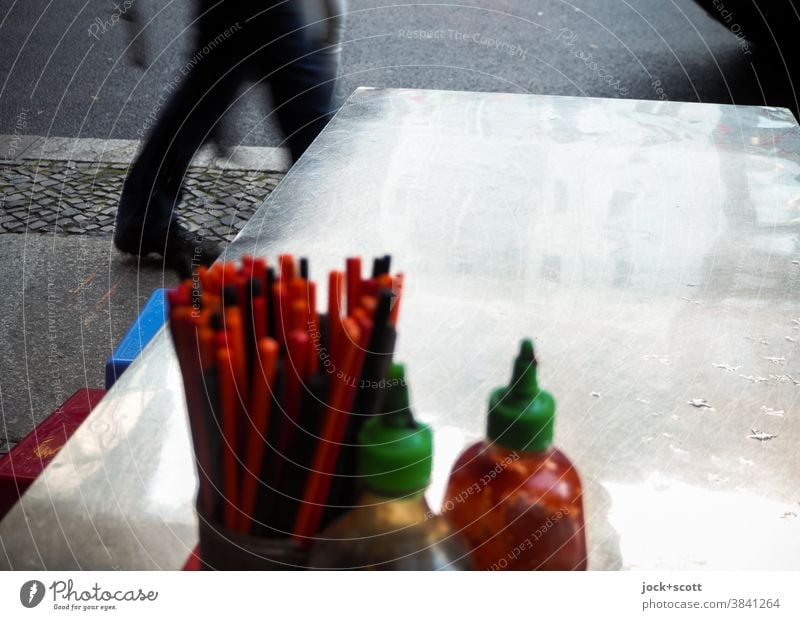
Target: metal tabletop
(652, 249)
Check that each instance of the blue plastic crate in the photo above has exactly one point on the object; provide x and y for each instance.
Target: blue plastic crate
(149, 321)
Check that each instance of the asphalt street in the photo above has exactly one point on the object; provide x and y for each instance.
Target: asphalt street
(64, 70)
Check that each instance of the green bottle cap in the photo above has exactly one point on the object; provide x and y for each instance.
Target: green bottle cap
(395, 451)
(521, 415)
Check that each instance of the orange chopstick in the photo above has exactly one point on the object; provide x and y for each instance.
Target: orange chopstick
(281, 306)
(234, 329)
(230, 413)
(298, 315)
(287, 267)
(260, 406)
(186, 346)
(259, 317)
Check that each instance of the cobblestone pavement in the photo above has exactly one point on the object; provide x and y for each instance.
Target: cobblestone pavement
(75, 198)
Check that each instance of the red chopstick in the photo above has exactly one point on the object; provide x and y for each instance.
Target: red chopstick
(334, 426)
(260, 405)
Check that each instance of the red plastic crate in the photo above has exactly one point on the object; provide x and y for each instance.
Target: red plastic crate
(193, 562)
(20, 467)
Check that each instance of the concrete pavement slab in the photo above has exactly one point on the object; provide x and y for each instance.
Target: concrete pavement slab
(65, 303)
(96, 150)
(14, 146)
(66, 296)
(83, 149)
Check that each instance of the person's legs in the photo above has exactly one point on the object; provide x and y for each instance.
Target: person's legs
(208, 83)
(154, 182)
(301, 78)
(302, 113)
(243, 41)
(331, 41)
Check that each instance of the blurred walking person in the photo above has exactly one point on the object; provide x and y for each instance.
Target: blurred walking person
(237, 42)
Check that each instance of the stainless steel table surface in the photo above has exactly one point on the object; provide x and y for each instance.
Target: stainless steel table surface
(652, 249)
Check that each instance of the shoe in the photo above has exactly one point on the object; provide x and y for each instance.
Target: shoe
(182, 250)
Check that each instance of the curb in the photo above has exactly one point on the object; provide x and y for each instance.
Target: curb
(15, 149)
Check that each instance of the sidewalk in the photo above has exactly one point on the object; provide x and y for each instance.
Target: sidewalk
(66, 295)
(72, 186)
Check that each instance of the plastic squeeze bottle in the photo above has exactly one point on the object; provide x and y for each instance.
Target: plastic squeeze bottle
(392, 527)
(514, 497)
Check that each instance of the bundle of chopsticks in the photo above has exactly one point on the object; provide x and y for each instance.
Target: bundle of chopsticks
(276, 391)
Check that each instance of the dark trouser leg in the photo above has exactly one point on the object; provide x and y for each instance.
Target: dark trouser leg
(303, 106)
(302, 82)
(208, 83)
(153, 186)
(269, 46)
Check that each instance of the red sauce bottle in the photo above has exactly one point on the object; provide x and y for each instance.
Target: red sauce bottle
(515, 499)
